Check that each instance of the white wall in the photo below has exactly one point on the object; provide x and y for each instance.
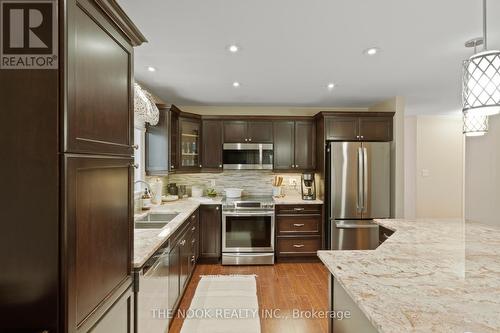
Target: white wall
(434, 157)
(482, 178)
(410, 162)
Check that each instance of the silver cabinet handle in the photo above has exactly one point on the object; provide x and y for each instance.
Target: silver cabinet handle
(200, 166)
(385, 235)
(135, 165)
(183, 242)
(193, 241)
(296, 165)
(217, 208)
(246, 140)
(298, 209)
(171, 167)
(220, 165)
(193, 216)
(193, 229)
(298, 224)
(362, 137)
(135, 147)
(298, 245)
(249, 139)
(365, 179)
(192, 259)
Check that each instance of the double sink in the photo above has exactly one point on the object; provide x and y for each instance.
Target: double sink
(154, 220)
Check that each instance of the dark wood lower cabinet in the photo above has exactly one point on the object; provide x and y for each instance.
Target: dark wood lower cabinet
(182, 259)
(210, 233)
(98, 229)
(120, 317)
(299, 232)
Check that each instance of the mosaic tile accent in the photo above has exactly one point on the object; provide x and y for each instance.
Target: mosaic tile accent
(253, 182)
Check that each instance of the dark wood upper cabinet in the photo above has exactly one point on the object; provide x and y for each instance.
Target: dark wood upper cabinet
(283, 145)
(212, 142)
(375, 128)
(341, 128)
(189, 144)
(157, 141)
(241, 131)
(359, 127)
(99, 228)
(173, 146)
(99, 117)
(294, 145)
(260, 131)
(235, 131)
(210, 232)
(305, 145)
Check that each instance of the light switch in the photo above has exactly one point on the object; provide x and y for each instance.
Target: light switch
(426, 172)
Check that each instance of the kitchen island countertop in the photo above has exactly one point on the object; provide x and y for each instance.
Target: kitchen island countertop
(431, 275)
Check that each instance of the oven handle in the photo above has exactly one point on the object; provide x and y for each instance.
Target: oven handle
(261, 213)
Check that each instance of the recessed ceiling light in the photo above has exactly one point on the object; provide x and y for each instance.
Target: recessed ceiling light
(151, 69)
(233, 48)
(372, 51)
(236, 84)
(330, 85)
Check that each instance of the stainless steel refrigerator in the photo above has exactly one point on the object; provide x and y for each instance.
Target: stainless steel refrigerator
(358, 190)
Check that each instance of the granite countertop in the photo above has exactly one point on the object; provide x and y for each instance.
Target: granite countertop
(295, 199)
(430, 276)
(147, 241)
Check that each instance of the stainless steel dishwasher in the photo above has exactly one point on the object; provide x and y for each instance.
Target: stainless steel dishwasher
(151, 288)
(354, 235)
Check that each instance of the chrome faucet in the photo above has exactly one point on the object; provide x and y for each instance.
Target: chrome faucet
(145, 183)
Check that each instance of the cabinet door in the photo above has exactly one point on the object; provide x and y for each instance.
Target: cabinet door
(99, 117)
(212, 142)
(305, 145)
(284, 145)
(120, 317)
(184, 257)
(210, 231)
(260, 131)
(157, 137)
(190, 134)
(98, 232)
(342, 128)
(235, 131)
(174, 140)
(173, 276)
(375, 128)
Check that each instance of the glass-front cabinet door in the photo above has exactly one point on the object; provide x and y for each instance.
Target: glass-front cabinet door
(190, 132)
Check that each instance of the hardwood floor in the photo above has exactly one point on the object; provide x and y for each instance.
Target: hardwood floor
(285, 287)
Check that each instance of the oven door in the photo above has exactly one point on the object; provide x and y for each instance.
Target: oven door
(248, 231)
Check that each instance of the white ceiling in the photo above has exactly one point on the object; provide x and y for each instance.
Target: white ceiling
(291, 49)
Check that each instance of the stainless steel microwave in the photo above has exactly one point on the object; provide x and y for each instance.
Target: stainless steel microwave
(248, 156)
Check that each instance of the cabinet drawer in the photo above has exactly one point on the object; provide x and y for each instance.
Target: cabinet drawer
(301, 224)
(297, 246)
(298, 209)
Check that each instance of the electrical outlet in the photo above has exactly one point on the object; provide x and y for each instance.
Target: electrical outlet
(292, 182)
(212, 183)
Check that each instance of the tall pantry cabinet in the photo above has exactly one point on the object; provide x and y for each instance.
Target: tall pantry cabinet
(71, 246)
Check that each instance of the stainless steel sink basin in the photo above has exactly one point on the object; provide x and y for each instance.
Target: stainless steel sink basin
(154, 220)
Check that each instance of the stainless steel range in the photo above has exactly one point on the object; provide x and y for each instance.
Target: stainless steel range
(248, 231)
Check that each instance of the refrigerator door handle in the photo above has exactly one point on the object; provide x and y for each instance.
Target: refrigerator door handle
(365, 179)
(360, 203)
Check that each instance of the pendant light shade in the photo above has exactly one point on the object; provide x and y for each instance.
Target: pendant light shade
(481, 84)
(475, 124)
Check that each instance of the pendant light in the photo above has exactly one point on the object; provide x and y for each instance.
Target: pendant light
(481, 79)
(475, 124)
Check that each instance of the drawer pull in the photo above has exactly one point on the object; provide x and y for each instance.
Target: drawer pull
(298, 209)
(298, 245)
(192, 217)
(183, 242)
(193, 241)
(298, 224)
(193, 228)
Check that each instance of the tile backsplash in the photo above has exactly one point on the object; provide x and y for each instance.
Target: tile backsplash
(253, 182)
